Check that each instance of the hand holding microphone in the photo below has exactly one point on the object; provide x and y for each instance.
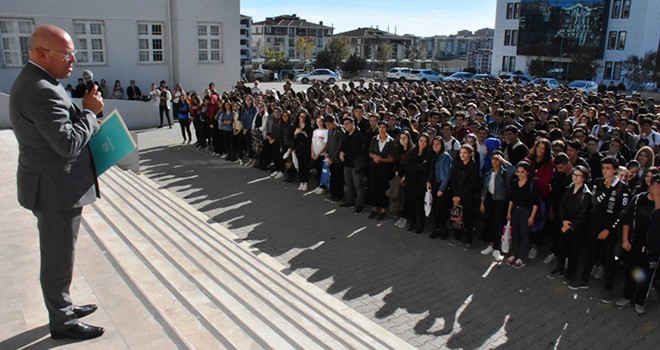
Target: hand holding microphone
(92, 100)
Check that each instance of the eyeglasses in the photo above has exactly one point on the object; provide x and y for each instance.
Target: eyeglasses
(67, 56)
(578, 175)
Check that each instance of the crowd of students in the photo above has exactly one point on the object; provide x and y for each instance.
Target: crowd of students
(572, 174)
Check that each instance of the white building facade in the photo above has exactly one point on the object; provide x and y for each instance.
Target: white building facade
(147, 41)
(630, 27)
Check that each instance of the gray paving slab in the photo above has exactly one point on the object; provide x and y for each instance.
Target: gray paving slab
(430, 294)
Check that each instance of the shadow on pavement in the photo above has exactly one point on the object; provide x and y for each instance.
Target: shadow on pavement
(418, 288)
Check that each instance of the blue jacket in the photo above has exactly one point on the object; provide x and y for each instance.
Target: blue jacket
(502, 182)
(442, 171)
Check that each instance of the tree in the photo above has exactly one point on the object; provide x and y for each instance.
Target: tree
(384, 54)
(333, 55)
(536, 68)
(583, 67)
(304, 48)
(354, 63)
(324, 60)
(415, 51)
(642, 69)
(275, 60)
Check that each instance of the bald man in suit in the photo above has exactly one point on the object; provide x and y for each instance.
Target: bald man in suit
(56, 176)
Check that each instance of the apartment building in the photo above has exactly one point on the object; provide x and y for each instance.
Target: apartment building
(280, 34)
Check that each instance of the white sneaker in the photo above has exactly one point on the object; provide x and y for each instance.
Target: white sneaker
(240, 162)
(304, 186)
(278, 176)
(497, 255)
(404, 223)
(532, 253)
(274, 173)
(399, 223)
(548, 259)
(300, 187)
(487, 250)
(319, 190)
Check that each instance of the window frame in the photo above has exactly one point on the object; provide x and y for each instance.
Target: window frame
(625, 8)
(616, 9)
(20, 41)
(151, 41)
(86, 53)
(621, 40)
(611, 39)
(209, 39)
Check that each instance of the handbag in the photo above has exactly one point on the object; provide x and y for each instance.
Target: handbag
(393, 189)
(324, 180)
(456, 217)
(506, 238)
(428, 202)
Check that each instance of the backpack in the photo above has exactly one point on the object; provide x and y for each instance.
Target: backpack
(456, 217)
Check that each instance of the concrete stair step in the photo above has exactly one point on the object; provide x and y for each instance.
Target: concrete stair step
(210, 288)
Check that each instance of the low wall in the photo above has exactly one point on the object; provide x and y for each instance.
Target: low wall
(136, 114)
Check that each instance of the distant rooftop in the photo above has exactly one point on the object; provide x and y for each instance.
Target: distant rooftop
(369, 33)
(290, 21)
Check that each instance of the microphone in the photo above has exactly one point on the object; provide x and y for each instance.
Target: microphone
(88, 77)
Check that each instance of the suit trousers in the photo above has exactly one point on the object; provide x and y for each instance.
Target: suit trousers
(58, 232)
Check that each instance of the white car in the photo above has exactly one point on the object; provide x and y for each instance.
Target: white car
(424, 75)
(320, 74)
(398, 74)
(584, 85)
(459, 76)
(549, 82)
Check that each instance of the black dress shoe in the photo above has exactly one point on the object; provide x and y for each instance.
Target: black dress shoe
(84, 310)
(80, 331)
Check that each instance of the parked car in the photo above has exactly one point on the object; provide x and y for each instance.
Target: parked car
(459, 76)
(398, 73)
(521, 79)
(549, 82)
(424, 75)
(584, 85)
(483, 77)
(320, 74)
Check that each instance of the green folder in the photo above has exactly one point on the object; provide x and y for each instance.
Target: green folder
(111, 143)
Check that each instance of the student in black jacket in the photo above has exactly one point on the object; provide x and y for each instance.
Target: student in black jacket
(465, 186)
(417, 172)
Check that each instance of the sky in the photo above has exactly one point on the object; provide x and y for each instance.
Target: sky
(420, 18)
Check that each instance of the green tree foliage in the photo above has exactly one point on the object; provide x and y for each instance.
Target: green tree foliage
(324, 60)
(384, 54)
(275, 60)
(354, 63)
(642, 69)
(305, 48)
(333, 55)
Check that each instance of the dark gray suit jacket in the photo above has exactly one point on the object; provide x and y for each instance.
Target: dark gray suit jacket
(55, 166)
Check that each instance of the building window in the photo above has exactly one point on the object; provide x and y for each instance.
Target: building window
(513, 10)
(621, 42)
(616, 8)
(511, 37)
(607, 74)
(90, 42)
(616, 74)
(611, 41)
(625, 10)
(150, 42)
(612, 70)
(208, 42)
(15, 34)
(508, 63)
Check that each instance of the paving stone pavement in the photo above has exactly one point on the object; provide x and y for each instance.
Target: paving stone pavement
(430, 294)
